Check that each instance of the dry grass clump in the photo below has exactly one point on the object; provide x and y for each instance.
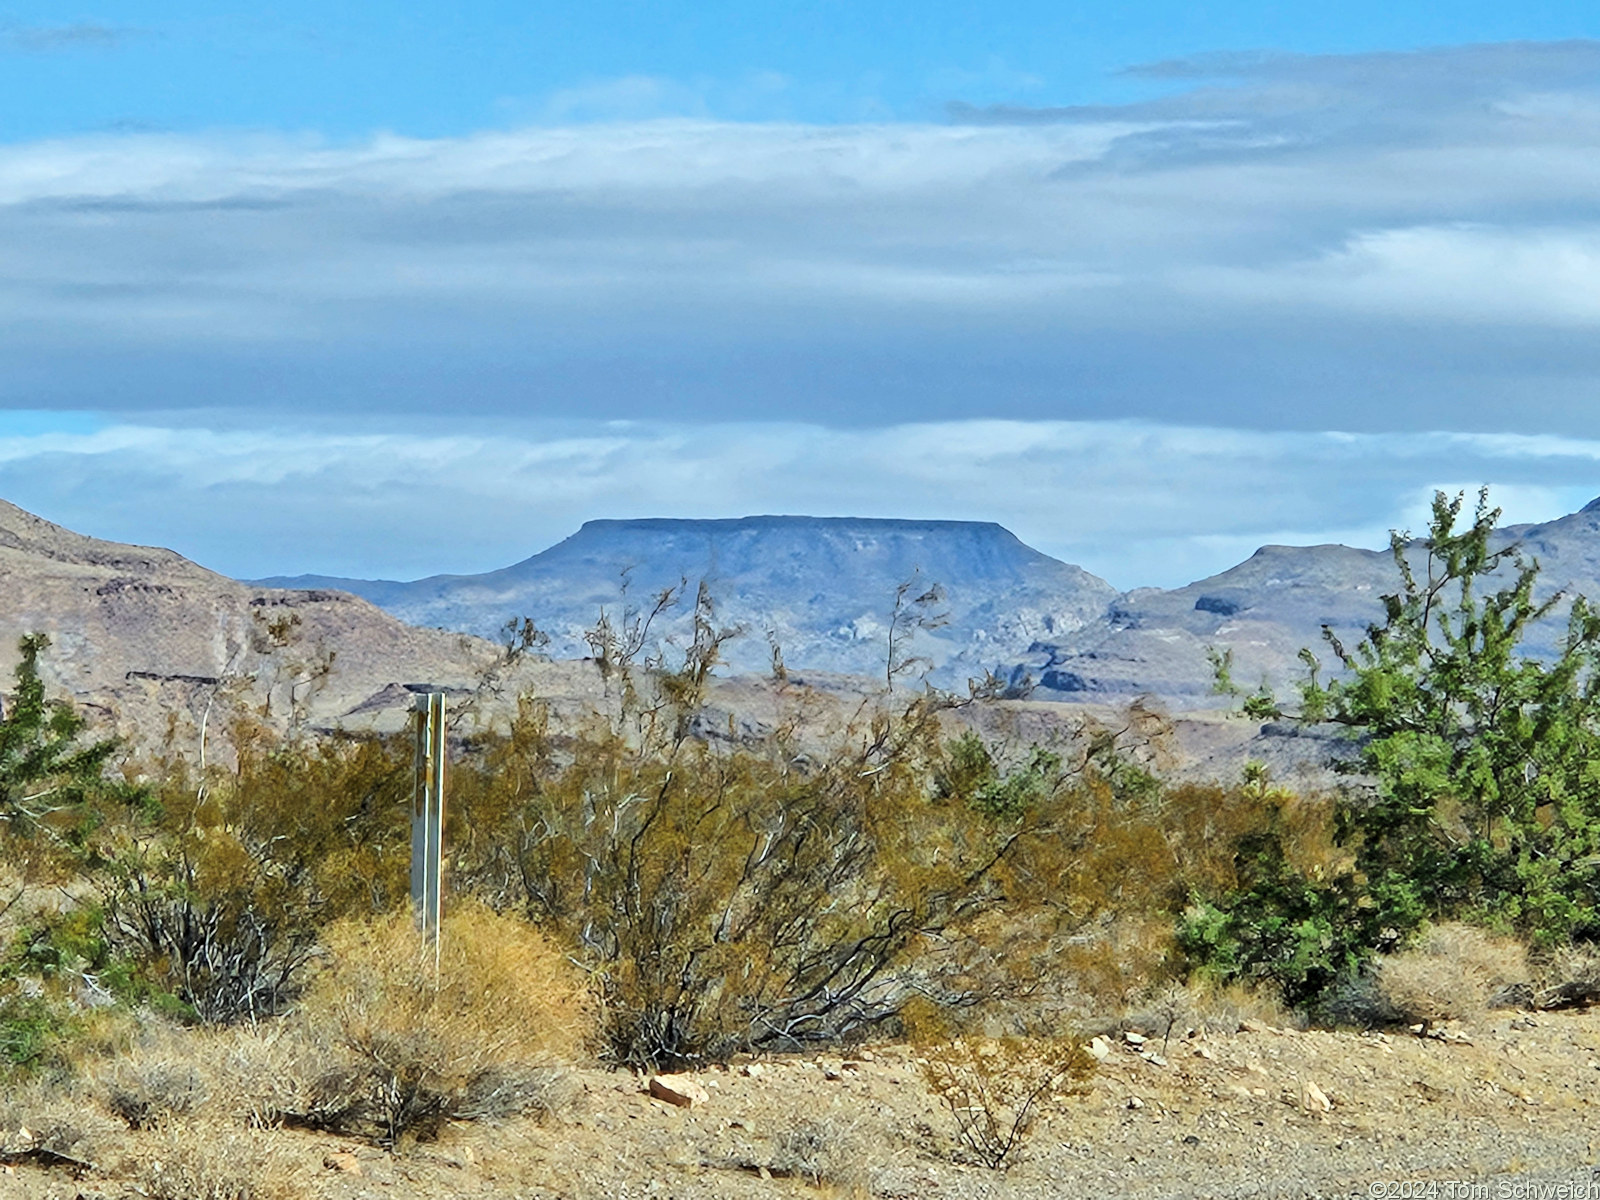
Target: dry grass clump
(1570, 975)
(151, 1086)
(251, 1076)
(408, 1048)
(218, 1160)
(1452, 972)
(829, 1150)
(59, 1119)
(1205, 1005)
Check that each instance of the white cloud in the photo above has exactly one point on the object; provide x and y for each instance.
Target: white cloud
(813, 319)
(1476, 274)
(1137, 503)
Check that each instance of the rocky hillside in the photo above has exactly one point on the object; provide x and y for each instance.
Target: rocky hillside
(822, 588)
(1268, 607)
(149, 643)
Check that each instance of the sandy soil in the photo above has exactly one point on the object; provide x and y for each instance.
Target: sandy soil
(1506, 1107)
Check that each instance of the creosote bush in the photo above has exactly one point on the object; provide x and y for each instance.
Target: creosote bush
(217, 890)
(410, 1046)
(775, 891)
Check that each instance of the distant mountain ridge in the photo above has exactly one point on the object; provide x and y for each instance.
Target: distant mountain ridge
(1266, 608)
(821, 588)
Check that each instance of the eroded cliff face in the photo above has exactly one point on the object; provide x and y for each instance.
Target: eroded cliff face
(151, 644)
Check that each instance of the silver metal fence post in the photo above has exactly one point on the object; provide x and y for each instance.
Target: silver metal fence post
(427, 816)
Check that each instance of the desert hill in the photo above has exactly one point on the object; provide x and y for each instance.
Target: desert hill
(151, 645)
(1265, 609)
(147, 641)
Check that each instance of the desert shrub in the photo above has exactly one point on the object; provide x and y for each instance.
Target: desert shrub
(996, 1089)
(37, 1027)
(763, 893)
(216, 891)
(827, 1150)
(1452, 971)
(1567, 975)
(218, 1160)
(1284, 910)
(50, 775)
(411, 1045)
(732, 897)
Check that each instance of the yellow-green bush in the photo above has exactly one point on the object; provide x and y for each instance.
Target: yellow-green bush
(410, 1043)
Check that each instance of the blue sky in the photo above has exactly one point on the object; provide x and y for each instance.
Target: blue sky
(1152, 284)
(435, 69)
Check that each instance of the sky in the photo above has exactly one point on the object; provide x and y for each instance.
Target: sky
(382, 293)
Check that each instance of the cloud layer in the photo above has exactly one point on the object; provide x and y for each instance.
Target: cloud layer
(1123, 331)
(1400, 241)
(1136, 503)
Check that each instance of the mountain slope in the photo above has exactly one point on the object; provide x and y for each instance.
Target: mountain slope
(1272, 604)
(822, 588)
(151, 643)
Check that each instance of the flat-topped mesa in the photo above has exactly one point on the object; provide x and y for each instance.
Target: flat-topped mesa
(822, 588)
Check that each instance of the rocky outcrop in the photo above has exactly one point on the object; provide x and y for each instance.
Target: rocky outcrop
(1267, 608)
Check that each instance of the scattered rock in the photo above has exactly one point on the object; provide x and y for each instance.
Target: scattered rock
(1313, 1099)
(1154, 1059)
(1133, 1039)
(1203, 1052)
(679, 1090)
(1100, 1048)
(752, 1070)
(343, 1162)
(1135, 1102)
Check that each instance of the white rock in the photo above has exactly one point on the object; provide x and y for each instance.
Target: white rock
(1312, 1098)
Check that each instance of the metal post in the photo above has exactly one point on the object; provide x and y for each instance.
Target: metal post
(427, 816)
